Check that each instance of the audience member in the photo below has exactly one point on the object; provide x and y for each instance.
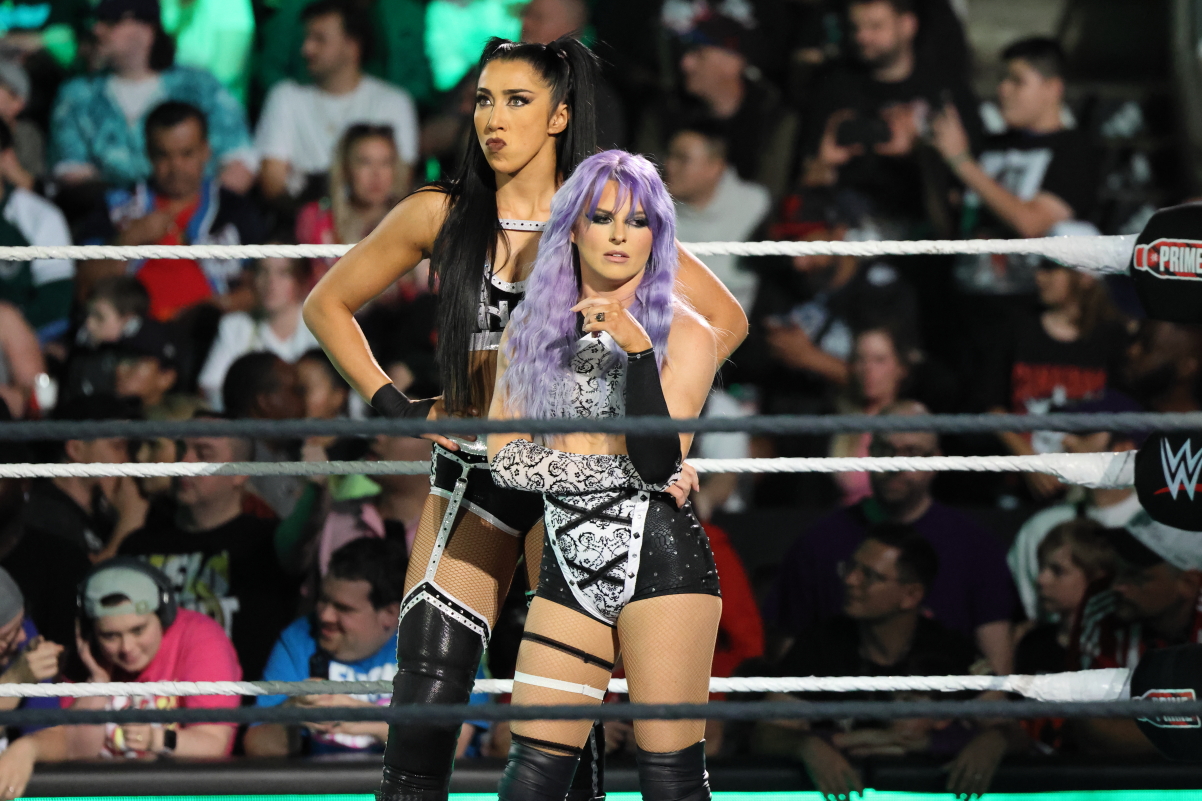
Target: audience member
(115, 307)
(220, 560)
(868, 119)
(300, 125)
(366, 181)
(1073, 557)
(879, 371)
(1070, 349)
(96, 128)
(1164, 368)
(41, 288)
(262, 386)
(973, 595)
(712, 202)
(882, 631)
(350, 636)
(275, 326)
(1112, 507)
(146, 364)
(26, 164)
(65, 521)
(216, 36)
(132, 631)
(1152, 603)
(26, 657)
(179, 205)
(758, 128)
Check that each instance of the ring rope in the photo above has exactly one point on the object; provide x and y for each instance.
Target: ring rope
(1100, 254)
(1086, 685)
(33, 430)
(1096, 470)
(716, 710)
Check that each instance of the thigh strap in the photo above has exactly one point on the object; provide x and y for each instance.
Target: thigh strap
(547, 744)
(556, 684)
(583, 656)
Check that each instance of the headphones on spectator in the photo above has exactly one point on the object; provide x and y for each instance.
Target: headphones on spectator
(168, 603)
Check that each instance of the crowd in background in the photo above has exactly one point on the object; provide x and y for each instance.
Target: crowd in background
(131, 122)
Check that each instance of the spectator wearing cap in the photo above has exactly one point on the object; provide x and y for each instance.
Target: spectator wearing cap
(274, 326)
(1111, 508)
(220, 560)
(96, 126)
(133, 631)
(1155, 601)
(973, 593)
(865, 120)
(300, 125)
(713, 202)
(67, 520)
(178, 205)
(1164, 366)
(757, 127)
(147, 364)
(27, 163)
(26, 657)
(42, 288)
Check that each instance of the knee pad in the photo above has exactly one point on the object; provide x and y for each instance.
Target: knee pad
(437, 659)
(674, 776)
(534, 775)
(589, 782)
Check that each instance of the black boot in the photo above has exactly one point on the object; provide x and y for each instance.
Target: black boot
(674, 776)
(534, 775)
(437, 660)
(589, 783)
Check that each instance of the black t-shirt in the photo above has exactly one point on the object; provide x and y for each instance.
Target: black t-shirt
(1031, 373)
(1039, 652)
(48, 556)
(231, 574)
(1063, 163)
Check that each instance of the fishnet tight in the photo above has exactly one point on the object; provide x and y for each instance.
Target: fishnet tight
(667, 645)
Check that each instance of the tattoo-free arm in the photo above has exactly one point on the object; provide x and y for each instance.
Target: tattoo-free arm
(710, 298)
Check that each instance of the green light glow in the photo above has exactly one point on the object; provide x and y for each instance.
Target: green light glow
(870, 795)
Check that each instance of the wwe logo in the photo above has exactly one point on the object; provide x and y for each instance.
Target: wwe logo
(1181, 469)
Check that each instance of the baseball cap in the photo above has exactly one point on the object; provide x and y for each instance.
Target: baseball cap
(139, 588)
(1143, 542)
(13, 76)
(12, 602)
(719, 30)
(150, 338)
(147, 11)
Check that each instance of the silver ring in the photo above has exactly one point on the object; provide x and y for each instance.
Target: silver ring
(599, 317)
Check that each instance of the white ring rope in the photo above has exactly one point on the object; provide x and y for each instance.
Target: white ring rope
(1086, 685)
(1100, 254)
(1096, 470)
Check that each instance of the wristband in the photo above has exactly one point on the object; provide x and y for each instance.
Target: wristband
(170, 740)
(390, 402)
(642, 354)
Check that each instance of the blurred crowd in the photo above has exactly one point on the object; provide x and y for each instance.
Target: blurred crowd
(135, 122)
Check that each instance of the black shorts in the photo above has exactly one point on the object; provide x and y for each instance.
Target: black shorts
(513, 511)
(675, 559)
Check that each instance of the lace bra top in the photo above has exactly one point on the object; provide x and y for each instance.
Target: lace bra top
(499, 298)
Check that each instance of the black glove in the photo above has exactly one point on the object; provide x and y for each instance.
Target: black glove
(390, 402)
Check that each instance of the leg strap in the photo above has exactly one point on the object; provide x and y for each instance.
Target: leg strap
(534, 775)
(556, 684)
(583, 656)
(674, 776)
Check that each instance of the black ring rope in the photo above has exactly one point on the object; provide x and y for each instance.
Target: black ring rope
(33, 430)
(724, 710)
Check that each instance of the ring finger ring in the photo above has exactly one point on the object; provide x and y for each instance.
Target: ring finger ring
(599, 317)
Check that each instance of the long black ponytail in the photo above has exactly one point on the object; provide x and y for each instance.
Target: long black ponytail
(468, 237)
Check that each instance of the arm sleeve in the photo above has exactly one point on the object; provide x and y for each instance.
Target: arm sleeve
(68, 139)
(284, 664)
(655, 456)
(290, 533)
(273, 138)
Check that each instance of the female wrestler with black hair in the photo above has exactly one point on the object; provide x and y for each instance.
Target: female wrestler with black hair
(534, 124)
(603, 333)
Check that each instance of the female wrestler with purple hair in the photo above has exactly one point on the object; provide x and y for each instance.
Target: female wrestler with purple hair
(604, 333)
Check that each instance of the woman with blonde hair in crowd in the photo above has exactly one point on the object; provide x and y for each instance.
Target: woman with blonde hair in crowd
(366, 181)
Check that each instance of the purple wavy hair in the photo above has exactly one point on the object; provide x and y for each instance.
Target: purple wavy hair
(542, 332)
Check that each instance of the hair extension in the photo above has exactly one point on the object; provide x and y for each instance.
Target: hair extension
(543, 328)
(467, 241)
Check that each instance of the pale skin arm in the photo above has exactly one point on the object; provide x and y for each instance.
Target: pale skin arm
(267, 740)
(996, 644)
(273, 178)
(56, 744)
(201, 740)
(710, 298)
